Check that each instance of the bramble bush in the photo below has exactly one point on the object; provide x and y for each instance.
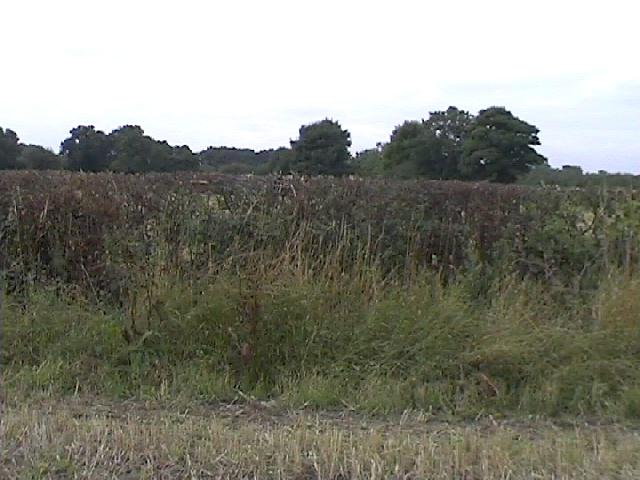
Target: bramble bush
(98, 231)
(381, 295)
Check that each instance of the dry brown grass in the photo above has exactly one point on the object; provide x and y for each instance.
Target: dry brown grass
(82, 439)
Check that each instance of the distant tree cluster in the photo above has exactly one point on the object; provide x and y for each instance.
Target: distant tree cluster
(126, 149)
(453, 144)
(242, 160)
(321, 149)
(15, 155)
(574, 176)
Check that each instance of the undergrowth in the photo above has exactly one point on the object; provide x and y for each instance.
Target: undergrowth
(309, 342)
(377, 296)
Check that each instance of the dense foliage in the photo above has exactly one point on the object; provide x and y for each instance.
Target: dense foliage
(86, 149)
(499, 147)
(381, 295)
(243, 160)
(321, 149)
(9, 149)
(430, 148)
(574, 176)
(92, 230)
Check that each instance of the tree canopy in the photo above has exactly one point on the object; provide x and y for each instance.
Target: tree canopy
(369, 163)
(321, 149)
(241, 160)
(133, 151)
(493, 145)
(499, 147)
(9, 148)
(35, 157)
(450, 127)
(430, 148)
(125, 149)
(86, 149)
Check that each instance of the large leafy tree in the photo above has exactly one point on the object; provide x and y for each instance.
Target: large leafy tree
(132, 150)
(86, 149)
(430, 148)
(9, 148)
(499, 147)
(412, 151)
(321, 149)
(451, 124)
(451, 127)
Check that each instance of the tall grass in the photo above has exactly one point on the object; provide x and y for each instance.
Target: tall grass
(313, 343)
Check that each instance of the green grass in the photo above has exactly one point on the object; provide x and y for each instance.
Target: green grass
(305, 341)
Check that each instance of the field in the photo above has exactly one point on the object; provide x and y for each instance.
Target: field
(211, 326)
(94, 439)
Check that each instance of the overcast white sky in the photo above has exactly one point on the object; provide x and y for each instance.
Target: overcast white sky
(249, 73)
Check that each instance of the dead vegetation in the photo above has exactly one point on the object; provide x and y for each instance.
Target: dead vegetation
(90, 439)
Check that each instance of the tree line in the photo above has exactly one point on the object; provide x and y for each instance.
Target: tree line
(452, 144)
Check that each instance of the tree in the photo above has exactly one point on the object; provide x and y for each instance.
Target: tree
(35, 157)
(369, 163)
(180, 158)
(499, 147)
(451, 128)
(412, 151)
(9, 148)
(86, 149)
(430, 148)
(280, 160)
(321, 149)
(235, 160)
(217, 157)
(134, 152)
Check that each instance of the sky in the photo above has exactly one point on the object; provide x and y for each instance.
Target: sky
(250, 73)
